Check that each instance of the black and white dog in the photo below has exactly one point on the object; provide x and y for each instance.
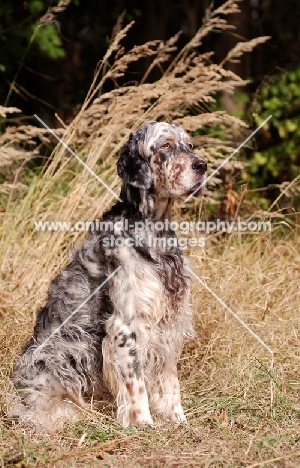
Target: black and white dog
(130, 295)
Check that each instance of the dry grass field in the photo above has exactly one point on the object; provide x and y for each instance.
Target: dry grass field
(242, 402)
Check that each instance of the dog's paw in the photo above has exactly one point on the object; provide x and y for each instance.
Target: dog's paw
(141, 418)
(179, 415)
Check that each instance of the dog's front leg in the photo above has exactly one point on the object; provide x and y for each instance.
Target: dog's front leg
(171, 398)
(126, 379)
(167, 401)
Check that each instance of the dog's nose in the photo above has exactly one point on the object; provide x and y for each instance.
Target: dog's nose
(199, 165)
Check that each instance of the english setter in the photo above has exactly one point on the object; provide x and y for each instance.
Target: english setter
(126, 337)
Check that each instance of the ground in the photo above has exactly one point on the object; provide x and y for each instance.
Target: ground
(241, 401)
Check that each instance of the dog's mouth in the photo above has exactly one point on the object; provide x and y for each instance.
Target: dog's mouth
(197, 189)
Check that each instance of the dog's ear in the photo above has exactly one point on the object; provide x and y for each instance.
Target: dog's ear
(132, 166)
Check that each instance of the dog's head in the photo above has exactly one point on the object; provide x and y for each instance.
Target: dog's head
(160, 156)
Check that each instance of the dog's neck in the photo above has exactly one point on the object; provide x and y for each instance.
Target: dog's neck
(147, 202)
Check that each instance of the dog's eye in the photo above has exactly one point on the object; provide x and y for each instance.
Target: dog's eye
(190, 146)
(165, 145)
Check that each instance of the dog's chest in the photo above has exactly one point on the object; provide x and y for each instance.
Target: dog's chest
(156, 287)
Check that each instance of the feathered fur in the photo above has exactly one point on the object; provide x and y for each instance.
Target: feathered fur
(127, 338)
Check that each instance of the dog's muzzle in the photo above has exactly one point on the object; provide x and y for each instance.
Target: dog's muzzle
(200, 167)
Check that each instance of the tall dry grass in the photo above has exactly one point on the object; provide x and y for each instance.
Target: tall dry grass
(65, 191)
(239, 399)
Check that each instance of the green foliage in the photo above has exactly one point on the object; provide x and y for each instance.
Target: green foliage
(18, 21)
(35, 6)
(278, 157)
(49, 42)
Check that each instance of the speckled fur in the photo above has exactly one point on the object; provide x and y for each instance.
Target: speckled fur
(127, 339)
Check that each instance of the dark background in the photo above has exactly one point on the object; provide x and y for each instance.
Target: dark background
(52, 73)
(82, 31)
